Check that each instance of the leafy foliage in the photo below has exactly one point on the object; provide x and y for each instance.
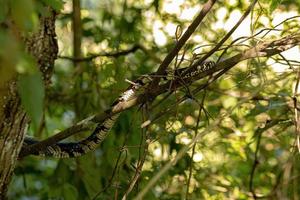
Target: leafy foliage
(251, 149)
(31, 91)
(274, 4)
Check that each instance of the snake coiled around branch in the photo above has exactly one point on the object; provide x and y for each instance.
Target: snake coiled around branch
(75, 149)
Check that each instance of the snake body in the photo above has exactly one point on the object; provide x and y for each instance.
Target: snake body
(75, 149)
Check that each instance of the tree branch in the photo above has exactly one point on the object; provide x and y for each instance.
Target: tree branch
(105, 54)
(262, 49)
(190, 30)
(227, 35)
(258, 133)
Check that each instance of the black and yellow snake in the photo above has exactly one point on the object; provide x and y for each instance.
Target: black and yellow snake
(75, 149)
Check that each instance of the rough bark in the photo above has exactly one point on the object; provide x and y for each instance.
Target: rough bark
(12, 128)
(13, 119)
(43, 45)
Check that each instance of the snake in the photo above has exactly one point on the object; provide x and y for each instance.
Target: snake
(90, 143)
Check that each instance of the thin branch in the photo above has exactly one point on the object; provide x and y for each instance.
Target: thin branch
(183, 150)
(180, 154)
(105, 54)
(122, 149)
(258, 133)
(190, 30)
(77, 31)
(227, 35)
(262, 49)
(196, 129)
(140, 162)
(297, 119)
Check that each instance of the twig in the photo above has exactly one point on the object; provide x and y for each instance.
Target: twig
(190, 30)
(259, 133)
(195, 91)
(140, 164)
(122, 149)
(196, 129)
(263, 49)
(105, 54)
(183, 150)
(227, 35)
(297, 119)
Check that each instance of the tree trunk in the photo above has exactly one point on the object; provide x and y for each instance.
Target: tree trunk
(13, 127)
(13, 119)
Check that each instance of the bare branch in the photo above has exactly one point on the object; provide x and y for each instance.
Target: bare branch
(105, 54)
(190, 30)
(258, 133)
(263, 49)
(196, 129)
(26, 150)
(227, 35)
(297, 120)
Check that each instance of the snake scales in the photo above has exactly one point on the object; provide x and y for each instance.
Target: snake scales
(75, 149)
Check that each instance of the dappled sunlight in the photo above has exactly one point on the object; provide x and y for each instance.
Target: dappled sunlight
(292, 54)
(159, 36)
(224, 129)
(160, 152)
(172, 6)
(171, 28)
(183, 138)
(189, 13)
(173, 126)
(189, 120)
(198, 157)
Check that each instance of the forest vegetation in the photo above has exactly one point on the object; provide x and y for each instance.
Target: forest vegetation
(188, 99)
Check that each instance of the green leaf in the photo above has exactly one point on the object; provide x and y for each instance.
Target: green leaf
(31, 90)
(26, 64)
(91, 184)
(55, 4)
(156, 5)
(274, 5)
(3, 10)
(24, 15)
(69, 192)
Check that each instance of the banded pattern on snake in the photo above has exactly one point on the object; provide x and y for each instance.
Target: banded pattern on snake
(75, 149)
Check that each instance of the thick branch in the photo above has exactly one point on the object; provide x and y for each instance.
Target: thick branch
(54, 139)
